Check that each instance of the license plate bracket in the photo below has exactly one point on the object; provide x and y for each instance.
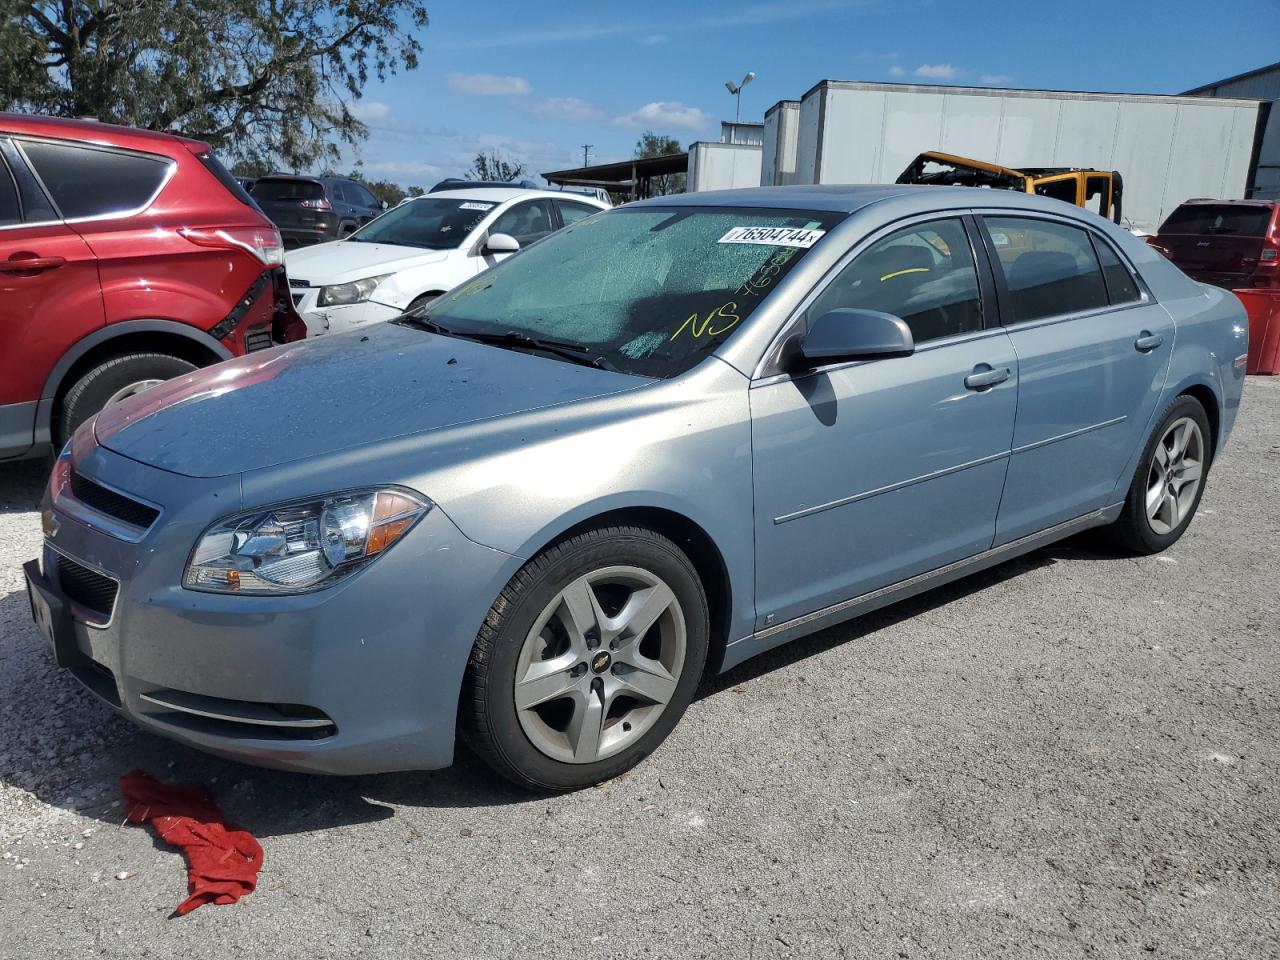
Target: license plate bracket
(51, 615)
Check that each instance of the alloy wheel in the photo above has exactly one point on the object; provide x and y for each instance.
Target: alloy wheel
(600, 664)
(1174, 475)
(130, 390)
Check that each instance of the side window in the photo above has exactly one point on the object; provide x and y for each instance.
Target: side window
(85, 182)
(1097, 195)
(1120, 283)
(340, 191)
(10, 211)
(924, 274)
(35, 205)
(1049, 268)
(527, 222)
(1064, 190)
(362, 196)
(572, 212)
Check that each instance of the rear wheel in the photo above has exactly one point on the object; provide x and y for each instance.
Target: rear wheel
(1169, 481)
(587, 660)
(112, 381)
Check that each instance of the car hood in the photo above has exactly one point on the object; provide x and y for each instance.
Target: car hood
(325, 395)
(344, 260)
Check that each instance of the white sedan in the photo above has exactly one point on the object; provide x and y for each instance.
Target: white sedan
(419, 249)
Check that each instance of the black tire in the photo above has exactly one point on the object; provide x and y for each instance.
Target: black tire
(90, 393)
(421, 301)
(488, 720)
(345, 229)
(1132, 530)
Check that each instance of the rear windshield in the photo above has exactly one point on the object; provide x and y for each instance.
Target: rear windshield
(269, 189)
(212, 164)
(1225, 218)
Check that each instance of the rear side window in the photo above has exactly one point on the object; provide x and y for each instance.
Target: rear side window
(281, 189)
(571, 212)
(225, 178)
(1223, 218)
(1049, 268)
(86, 182)
(1120, 283)
(10, 211)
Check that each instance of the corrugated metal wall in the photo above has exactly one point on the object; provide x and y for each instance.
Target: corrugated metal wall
(1260, 85)
(1167, 148)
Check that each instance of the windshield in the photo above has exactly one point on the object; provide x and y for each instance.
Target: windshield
(651, 290)
(436, 223)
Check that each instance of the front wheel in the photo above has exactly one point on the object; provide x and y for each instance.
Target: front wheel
(587, 660)
(1169, 481)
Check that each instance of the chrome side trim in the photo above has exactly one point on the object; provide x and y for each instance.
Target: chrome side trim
(888, 488)
(1068, 435)
(865, 603)
(263, 716)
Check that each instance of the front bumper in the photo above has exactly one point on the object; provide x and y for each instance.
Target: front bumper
(359, 678)
(338, 319)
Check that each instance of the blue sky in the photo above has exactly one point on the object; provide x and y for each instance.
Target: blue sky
(537, 82)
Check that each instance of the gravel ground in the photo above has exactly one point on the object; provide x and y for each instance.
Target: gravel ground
(1072, 755)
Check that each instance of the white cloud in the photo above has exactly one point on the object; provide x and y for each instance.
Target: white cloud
(653, 39)
(370, 111)
(896, 71)
(995, 78)
(488, 84)
(938, 71)
(568, 109)
(665, 114)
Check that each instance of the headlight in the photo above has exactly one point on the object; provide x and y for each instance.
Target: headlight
(301, 546)
(343, 293)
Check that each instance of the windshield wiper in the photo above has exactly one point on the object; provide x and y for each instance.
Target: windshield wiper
(417, 317)
(573, 352)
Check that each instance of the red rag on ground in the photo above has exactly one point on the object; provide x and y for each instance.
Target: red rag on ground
(222, 864)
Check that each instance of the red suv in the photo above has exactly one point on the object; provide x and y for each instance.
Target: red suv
(1228, 243)
(126, 258)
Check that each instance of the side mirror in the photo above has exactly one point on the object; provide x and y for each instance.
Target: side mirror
(848, 334)
(501, 243)
(385, 205)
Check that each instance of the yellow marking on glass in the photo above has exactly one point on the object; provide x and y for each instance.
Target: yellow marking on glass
(898, 273)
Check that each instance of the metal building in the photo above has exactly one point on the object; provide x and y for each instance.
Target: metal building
(1261, 84)
(1167, 148)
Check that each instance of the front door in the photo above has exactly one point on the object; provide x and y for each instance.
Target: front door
(869, 473)
(1093, 351)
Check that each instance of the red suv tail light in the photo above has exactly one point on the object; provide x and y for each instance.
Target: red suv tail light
(263, 243)
(321, 204)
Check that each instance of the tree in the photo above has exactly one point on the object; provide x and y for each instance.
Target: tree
(266, 83)
(494, 166)
(652, 144)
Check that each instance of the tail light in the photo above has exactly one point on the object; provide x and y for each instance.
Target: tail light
(263, 243)
(321, 204)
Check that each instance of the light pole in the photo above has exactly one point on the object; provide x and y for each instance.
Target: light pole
(736, 90)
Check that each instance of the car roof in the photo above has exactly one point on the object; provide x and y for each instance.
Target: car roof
(502, 194)
(850, 198)
(92, 131)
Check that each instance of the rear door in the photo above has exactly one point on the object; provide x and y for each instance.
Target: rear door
(50, 296)
(1218, 243)
(1093, 353)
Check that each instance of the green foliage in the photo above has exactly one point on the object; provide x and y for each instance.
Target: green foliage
(267, 82)
(495, 166)
(652, 144)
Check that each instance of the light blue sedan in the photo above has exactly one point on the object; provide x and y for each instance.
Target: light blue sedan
(537, 512)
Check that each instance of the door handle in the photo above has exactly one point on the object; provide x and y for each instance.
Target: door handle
(982, 379)
(30, 263)
(1148, 341)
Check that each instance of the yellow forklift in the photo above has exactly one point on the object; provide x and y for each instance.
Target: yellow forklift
(1096, 190)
